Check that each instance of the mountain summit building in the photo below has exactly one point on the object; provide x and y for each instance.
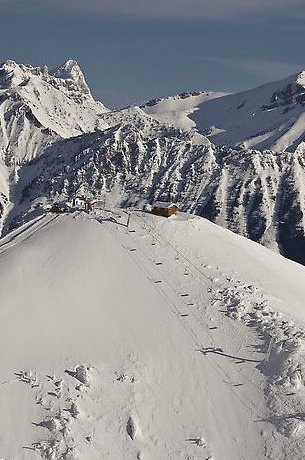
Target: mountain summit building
(165, 209)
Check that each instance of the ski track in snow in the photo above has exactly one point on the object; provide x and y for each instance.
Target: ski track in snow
(246, 383)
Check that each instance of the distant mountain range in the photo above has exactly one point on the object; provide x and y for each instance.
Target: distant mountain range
(197, 149)
(269, 117)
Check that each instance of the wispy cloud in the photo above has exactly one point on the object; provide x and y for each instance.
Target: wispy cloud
(259, 67)
(180, 9)
(270, 69)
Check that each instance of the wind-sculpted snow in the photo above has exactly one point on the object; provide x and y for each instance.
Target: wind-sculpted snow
(259, 195)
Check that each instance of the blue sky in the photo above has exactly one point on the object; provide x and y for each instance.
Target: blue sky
(134, 50)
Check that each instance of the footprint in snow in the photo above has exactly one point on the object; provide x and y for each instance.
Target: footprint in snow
(80, 373)
(131, 428)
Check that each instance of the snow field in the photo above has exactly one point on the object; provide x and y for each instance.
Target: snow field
(128, 347)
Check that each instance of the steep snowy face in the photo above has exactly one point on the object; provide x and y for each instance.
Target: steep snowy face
(301, 79)
(140, 162)
(70, 70)
(38, 107)
(291, 95)
(269, 117)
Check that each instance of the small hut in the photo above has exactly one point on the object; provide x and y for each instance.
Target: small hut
(79, 202)
(89, 206)
(161, 208)
(57, 208)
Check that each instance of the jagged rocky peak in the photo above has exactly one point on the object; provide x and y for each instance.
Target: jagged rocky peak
(67, 78)
(70, 70)
(292, 93)
(301, 78)
(13, 74)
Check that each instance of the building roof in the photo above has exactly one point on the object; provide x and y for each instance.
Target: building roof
(164, 204)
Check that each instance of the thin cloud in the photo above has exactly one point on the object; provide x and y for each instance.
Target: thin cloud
(260, 67)
(174, 9)
(271, 69)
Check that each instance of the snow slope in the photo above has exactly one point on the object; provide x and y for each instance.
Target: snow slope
(122, 348)
(268, 117)
(175, 110)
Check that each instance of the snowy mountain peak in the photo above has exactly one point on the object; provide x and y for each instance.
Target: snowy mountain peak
(268, 117)
(70, 70)
(38, 106)
(289, 93)
(301, 78)
(11, 74)
(67, 78)
(8, 65)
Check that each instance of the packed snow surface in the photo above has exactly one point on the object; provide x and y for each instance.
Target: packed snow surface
(160, 340)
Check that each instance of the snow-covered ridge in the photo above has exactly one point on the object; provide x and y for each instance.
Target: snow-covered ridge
(195, 356)
(268, 117)
(68, 77)
(259, 195)
(179, 97)
(175, 110)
